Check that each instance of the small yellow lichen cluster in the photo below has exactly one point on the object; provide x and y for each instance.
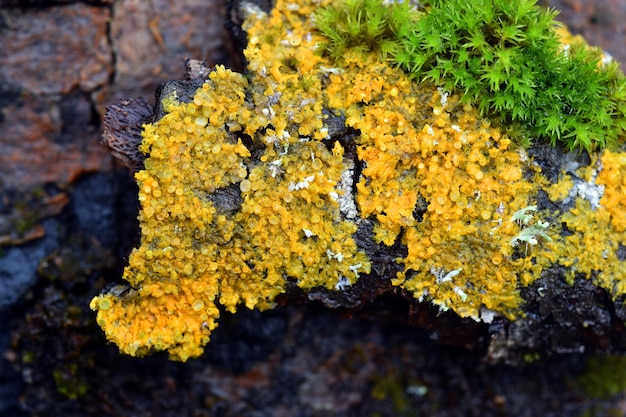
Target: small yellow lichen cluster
(435, 177)
(613, 177)
(177, 268)
(595, 234)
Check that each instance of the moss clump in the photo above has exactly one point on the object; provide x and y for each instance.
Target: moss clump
(365, 26)
(604, 377)
(504, 56)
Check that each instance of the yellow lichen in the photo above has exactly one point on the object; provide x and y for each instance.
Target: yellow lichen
(418, 144)
(436, 177)
(193, 256)
(560, 189)
(613, 177)
(590, 242)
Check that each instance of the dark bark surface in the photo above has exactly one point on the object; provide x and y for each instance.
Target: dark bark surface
(67, 223)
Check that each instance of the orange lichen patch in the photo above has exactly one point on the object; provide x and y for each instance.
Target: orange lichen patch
(435, 177)
(419, 146)
(285, 72)
(591, 244)
(560, 189)
(592, 249)
(613, 177)
(293, 220)
(151, 319)
(193, 256)
(174, 272)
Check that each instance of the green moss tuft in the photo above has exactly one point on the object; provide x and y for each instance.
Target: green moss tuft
(364, 26)
(604, 377)
(502, 55)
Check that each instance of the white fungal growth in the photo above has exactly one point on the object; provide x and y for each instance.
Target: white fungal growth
(342, 283)
(331, 255)
(355, 269)
(302, 184)
(343, 195)
(274, 167)
(530, 233)
(458, 291)
(442, 276)
(331, 70)
(249, 9)
(486, 315)
(523, 216)
(444, 96)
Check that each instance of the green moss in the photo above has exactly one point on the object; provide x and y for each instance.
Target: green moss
(604, 377)
(531, 357)
(364, 26)
(68, 382)
(503, 55)
(391, 388)
(306, 82)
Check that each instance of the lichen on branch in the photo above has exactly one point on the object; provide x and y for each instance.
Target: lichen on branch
(272, 180)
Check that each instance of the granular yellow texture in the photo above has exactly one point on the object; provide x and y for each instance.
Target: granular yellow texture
(435, 177)
(613, 177)
(594, 235)
(193, 255)
(444, 182)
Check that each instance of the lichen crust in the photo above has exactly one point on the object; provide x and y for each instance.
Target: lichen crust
(246, 190)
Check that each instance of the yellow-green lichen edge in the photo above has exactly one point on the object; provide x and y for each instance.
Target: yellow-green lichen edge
(478, 237)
